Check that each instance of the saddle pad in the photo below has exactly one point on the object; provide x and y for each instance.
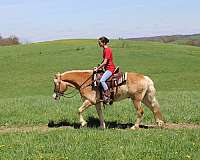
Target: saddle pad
(122, 79)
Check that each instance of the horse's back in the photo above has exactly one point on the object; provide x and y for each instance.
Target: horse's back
(138, 82)
(135, 77)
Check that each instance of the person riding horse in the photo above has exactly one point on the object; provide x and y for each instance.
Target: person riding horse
(108, 65)
(137, 87)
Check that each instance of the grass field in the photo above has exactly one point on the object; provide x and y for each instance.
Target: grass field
(26, 78)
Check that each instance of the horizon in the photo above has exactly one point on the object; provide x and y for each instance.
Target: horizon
(47, 20)
(192, 34)
(118, 37)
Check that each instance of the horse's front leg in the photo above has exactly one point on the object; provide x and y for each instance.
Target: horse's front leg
(140, 112)
(100, 114)
(84, 106)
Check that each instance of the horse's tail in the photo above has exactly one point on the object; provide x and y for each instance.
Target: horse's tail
(150, 99)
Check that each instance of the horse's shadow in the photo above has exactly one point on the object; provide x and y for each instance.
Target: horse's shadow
(94, 123)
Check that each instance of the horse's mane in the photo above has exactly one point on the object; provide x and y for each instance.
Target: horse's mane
(78, 71)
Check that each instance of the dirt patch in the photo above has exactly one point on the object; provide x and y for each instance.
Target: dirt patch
(25, 129)
(173, 126)
(180, 126)
(46, 128)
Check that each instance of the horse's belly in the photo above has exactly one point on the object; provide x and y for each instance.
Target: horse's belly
(122, 93)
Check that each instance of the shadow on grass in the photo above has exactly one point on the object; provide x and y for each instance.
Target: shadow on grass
(94, 123)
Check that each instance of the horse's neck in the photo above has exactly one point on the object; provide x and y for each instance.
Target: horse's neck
(76, 78)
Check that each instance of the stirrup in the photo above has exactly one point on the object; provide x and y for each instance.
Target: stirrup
(111, 102)
(106, 100)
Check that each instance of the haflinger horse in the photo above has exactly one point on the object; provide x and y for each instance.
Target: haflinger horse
(139, 88)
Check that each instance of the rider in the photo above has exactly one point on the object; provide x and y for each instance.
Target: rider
(107, 64)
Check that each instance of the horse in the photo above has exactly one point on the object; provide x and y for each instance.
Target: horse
(138, 87)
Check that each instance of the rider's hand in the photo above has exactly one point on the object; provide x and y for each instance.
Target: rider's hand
(95, 69)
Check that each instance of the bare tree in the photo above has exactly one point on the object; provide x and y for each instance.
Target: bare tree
(12, 40)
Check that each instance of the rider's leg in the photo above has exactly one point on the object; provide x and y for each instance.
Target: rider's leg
(106, 96)
(103, 79)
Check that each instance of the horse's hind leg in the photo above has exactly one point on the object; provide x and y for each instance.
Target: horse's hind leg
(151, 102)
(84, 106)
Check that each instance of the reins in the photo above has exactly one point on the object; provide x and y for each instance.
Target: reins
(79, 88)
(71, 96)
(85, 82)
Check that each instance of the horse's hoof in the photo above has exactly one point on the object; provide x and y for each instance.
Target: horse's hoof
(160, 123)
(135, 127)
(84, 124)
(103, 127)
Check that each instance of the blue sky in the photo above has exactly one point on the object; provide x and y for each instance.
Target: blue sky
(42, 20)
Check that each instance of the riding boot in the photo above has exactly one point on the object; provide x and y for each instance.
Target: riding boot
(106, 96)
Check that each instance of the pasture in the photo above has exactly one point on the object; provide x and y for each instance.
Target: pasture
(26, 104)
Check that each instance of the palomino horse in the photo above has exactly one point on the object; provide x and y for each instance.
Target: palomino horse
(138, 87)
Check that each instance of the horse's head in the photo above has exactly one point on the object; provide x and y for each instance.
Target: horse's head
(59, 87)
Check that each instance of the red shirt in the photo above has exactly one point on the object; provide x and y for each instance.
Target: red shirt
(107, 54)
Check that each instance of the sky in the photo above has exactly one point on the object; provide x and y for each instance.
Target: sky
(43, 20)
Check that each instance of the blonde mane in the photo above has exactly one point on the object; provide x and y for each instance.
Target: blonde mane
(76, 71)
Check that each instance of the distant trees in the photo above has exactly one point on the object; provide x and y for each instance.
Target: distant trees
(12, 40)
(168, 39)
(193, 42)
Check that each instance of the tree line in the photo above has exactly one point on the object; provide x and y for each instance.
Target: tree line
(12, 40)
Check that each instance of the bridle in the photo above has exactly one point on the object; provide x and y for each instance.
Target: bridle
(59, 93)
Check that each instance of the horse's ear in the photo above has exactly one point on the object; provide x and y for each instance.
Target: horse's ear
(57, 75)
(55, 80)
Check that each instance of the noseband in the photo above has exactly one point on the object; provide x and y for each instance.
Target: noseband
(57, 92)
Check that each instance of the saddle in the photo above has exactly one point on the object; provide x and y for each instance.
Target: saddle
(117, 79)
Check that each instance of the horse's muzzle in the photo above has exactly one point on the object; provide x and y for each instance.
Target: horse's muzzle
(55, 96)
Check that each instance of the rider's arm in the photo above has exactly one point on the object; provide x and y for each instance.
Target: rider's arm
(102, 64)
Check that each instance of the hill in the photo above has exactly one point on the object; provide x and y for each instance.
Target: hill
(193, 39)
(27, 65)
(26, 104)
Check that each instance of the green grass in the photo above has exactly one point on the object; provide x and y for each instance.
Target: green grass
(26, 78)
(177, 106)
(97, 144)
